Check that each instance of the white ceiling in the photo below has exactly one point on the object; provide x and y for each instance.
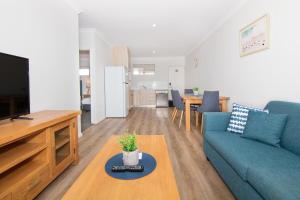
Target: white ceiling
(181, 24)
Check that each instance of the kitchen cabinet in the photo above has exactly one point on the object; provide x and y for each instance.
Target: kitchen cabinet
(144, 98)
(121, 56)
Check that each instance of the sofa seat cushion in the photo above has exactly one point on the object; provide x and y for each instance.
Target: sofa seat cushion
(244, 154)
(276, 183)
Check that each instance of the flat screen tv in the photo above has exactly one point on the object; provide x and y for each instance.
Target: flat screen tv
(14, 86)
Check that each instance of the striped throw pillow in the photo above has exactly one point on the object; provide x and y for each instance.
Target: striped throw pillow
(238, 118)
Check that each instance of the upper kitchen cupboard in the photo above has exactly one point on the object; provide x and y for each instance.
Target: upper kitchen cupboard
(121, 56)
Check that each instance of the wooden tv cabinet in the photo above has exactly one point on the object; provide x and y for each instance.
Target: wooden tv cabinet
(34, 152)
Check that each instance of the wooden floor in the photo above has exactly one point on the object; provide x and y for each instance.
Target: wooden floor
(85, 120)
(196, 178)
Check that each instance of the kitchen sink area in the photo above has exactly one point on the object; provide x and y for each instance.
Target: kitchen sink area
(150, 96)
(144, 98)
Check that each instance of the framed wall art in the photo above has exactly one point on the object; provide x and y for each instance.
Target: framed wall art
(255, 37)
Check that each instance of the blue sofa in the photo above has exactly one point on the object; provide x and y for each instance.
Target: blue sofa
(254, 170)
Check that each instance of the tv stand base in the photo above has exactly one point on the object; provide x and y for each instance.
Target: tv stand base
(21, 118)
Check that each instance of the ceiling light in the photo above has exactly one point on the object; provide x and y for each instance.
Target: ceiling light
(153, 25)
(154, 52)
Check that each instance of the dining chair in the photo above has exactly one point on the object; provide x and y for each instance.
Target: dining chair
(210, 103)
(188, 91)
(174, 104)
(179, 105)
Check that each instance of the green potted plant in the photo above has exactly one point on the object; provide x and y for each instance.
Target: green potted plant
(130, 150)
(196, 90)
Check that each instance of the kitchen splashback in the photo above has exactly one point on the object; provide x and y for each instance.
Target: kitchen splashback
(155, 85)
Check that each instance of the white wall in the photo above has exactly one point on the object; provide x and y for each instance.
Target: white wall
(161, 78)
(258, 78)
(46, 32)
(100, 56)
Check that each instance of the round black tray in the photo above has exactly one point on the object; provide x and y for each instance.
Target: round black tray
(147, 161)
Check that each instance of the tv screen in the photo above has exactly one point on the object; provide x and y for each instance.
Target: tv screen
(14, 86)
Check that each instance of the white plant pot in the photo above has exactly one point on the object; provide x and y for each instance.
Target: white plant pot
(131, 158)
(196, 92)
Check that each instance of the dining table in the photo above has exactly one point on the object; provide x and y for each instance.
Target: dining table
(190, 99)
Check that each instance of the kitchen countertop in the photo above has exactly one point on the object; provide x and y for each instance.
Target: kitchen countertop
(151, 89)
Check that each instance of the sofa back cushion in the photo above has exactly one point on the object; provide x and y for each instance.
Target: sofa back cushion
(291, 135)
(265, 127)
(238, 118)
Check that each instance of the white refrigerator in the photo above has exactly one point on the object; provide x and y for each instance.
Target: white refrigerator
(116, 91)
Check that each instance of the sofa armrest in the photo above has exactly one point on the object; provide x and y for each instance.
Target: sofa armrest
(215, 121)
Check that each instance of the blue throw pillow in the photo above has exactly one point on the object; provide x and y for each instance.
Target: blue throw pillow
(264, 127)
(238, 117)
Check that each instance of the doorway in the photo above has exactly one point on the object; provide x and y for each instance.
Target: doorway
(176, 79)
(85, 89)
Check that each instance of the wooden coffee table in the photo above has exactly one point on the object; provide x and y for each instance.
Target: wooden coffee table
(94, 183)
